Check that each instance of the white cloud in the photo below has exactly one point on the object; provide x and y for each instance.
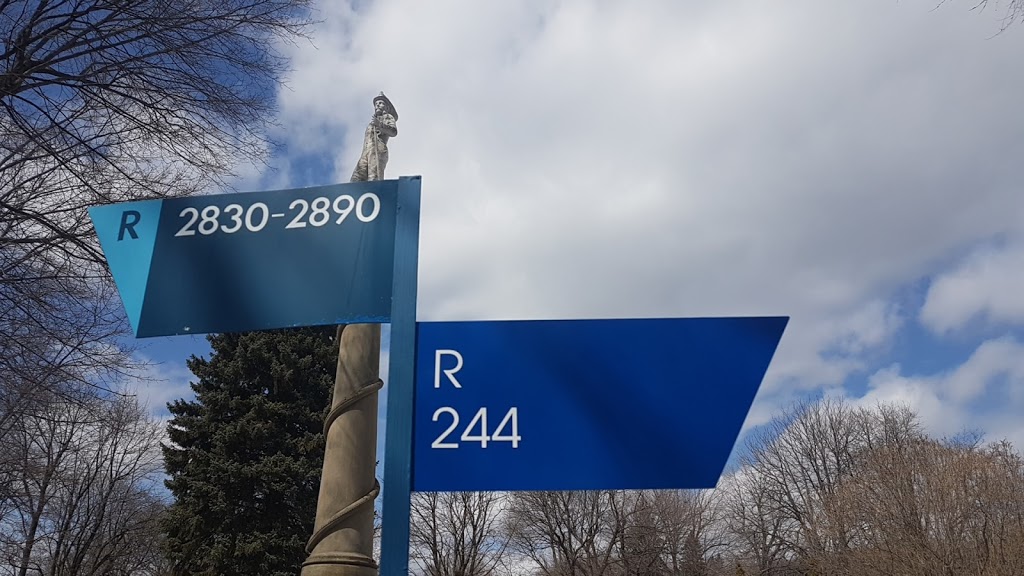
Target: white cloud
(610, 159)
(981, 394)
(820, 355)
(988, 283)
(1003, 357)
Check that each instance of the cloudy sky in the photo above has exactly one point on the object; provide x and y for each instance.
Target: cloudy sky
(856, 166)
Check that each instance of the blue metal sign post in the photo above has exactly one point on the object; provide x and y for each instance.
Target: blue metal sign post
(394, 546)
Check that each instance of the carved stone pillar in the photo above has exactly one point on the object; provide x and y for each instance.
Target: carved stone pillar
(342, 542)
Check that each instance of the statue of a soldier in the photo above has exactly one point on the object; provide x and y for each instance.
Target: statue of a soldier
(382, 126)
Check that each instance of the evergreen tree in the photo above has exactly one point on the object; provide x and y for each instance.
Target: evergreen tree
(245, 456)
(693, 563)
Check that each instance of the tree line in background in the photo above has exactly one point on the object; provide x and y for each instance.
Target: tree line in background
(825, 489)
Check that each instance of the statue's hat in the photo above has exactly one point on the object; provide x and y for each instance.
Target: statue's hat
(387, 105)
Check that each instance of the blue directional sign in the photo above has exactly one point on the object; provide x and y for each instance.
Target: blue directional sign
(584, 404)
(253, 261)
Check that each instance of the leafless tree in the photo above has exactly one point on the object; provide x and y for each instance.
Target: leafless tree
(754, 525)
(55, 335)
(788, 505)
(457, 533)
(648, 536)
(57, 347)
(102, 101)
(115, 100)
(832, 489)
(693, 524)
(568, 533)
(617, 533)
(932, 507)
(800, 459)
(1013, 10)
(82, 499)
(670, 531)
(106, 101)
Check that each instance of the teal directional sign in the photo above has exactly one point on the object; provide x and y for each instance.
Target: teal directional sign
(254, 261)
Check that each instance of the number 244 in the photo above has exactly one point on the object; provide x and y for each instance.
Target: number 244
(511, 420)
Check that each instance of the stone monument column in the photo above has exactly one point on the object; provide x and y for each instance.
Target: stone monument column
(342, 541)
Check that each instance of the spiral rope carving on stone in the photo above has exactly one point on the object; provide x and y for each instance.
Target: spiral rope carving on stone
(347, 403)
(367, 500)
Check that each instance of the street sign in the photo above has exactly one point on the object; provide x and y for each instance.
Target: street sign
(253, 261)
(584, 404)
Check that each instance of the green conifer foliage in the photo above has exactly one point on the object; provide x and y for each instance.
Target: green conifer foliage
(245, 456)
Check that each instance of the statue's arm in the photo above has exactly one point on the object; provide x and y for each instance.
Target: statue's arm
(387, 125)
